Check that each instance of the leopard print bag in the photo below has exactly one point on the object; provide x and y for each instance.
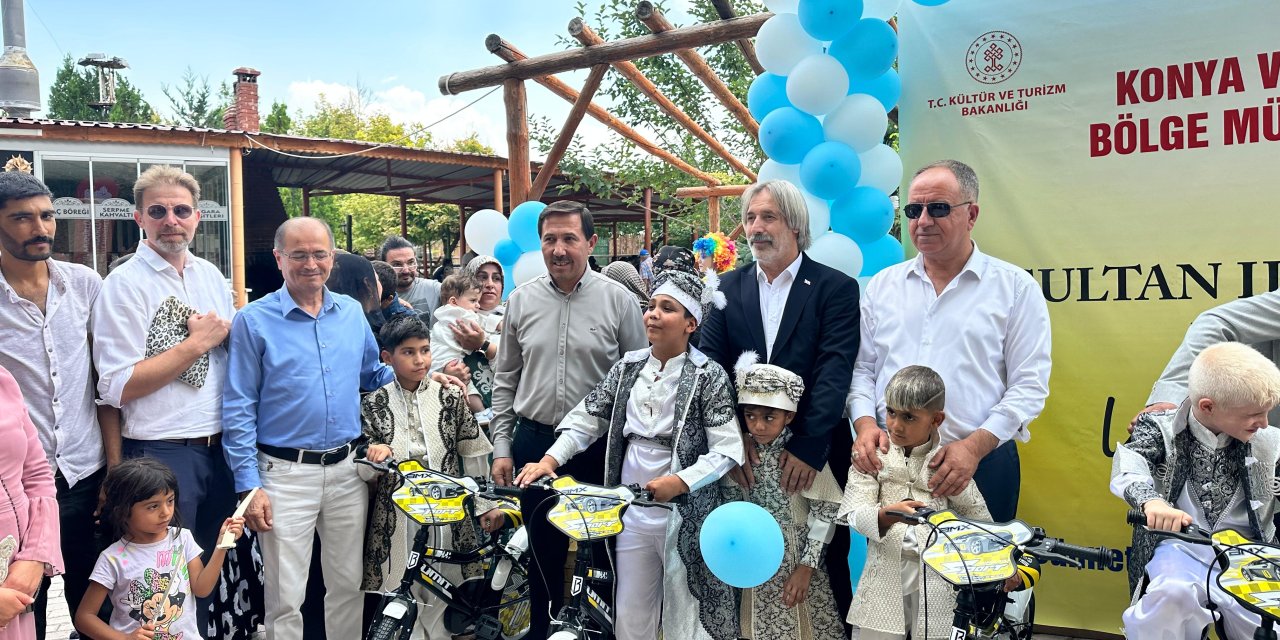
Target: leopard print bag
(168, 328)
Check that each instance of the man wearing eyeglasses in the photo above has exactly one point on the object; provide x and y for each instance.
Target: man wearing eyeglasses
(423, 294)
(981, 322)
(158, 330)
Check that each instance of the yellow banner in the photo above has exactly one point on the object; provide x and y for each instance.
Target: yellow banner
(1127, 153)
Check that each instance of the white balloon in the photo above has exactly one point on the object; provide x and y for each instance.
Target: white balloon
(782, 43)
(817, 84)
(880, 9)
(819, 214)
(782, 6)
(859, 121)
(774, 170)
(528, 267)
(881, 169)
(838, 252)
(484, 229)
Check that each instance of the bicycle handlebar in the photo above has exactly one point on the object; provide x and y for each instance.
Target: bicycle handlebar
(1190, 533)
(1097, 555)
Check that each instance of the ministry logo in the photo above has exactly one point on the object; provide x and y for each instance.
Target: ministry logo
(994, 57)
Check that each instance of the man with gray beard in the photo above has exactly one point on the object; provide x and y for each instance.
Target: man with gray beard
(159, 327)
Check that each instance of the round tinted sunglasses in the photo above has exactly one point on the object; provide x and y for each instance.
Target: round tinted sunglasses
(935, 209)
(180, 211)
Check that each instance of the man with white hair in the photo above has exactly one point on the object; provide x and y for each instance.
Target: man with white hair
(802, 316)
(1211, 462)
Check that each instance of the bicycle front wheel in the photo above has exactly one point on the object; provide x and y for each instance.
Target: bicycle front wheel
(394, 620)
(514, 610)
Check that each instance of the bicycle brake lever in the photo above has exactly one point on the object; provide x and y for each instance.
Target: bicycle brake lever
(909, 517)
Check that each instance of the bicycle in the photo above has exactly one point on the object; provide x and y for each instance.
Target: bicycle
(492, 606)
(976, 558)
(1249, 571)
(588, 513)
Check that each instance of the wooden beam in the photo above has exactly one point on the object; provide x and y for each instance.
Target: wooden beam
(237, 228)
(497, 190)
(566, 132)
(510, 53)
(648, 217)
(665, 237)
(708, 192)
(404, 218)
(724, 8)
(713, 214)
(306, 202)
(462, 225)
(700, 35)
(614, 238)
(652, 17)
(513, 98)
(580, 31)
(737, 231)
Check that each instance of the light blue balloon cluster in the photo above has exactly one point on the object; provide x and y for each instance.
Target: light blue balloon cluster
(513, 241)
(823, 110)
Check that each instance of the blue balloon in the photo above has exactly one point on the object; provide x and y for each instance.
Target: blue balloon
(864, 214)
(522, 226)
(930, 3)
(830, 170)
(857, 556)
(886, 88)
(883, 252)
(507, 252)
(742, 544)
(868, 50)
(827, 20)
(787, 134)
(766, 93)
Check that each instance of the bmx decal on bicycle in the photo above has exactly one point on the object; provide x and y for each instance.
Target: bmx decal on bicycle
(430, 497)
(968, 553)
(586, 512)
(1252, 575)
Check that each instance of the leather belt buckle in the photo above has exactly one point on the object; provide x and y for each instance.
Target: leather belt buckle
(334, 456)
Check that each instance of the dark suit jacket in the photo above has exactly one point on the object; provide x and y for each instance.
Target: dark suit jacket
(818, 340)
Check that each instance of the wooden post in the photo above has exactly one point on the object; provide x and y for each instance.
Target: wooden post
(497, 190)
(517, 139)
(566, 132)
(306, 202)
(652, 17)
(700, 35)
(664, 231)
(511, 54)
(614, 239)
(462, 225)
(725, 10)
(648, 218)
(713, 214)
(237, 228)
(404, 218)
(579, 30)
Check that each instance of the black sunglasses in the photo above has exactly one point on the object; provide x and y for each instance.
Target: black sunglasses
(935, 209)
(159, 211)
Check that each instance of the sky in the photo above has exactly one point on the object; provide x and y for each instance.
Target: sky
(395, 49)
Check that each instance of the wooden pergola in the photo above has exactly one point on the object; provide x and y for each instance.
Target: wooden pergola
(599, 55)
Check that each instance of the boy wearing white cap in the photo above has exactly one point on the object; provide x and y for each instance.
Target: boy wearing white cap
(797, 602)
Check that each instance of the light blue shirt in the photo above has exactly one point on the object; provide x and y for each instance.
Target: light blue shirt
(294, 380)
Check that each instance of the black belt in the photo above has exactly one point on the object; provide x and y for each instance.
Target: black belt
(306, 456)
(203, 441)
(538, 427)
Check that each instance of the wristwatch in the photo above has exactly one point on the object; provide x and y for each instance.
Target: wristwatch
(484, 346)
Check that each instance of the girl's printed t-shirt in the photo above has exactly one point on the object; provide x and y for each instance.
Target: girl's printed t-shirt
(150, 583)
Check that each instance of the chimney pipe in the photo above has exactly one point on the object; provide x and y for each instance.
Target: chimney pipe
(19, 80)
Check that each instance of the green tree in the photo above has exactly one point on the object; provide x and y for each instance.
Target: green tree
(74, 89)
(278, 121)
(194, 103)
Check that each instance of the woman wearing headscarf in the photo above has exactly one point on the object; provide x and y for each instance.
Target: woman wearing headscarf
(627, 275)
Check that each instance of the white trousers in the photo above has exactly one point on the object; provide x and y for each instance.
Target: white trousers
(1173, 606)
(306, 499)
(639, 600)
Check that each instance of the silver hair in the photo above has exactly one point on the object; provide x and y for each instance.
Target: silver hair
(915, 387)
(790, 203)
(293, 222)
(965, 176)
(1233, 374)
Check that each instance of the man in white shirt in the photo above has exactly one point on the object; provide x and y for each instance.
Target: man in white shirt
(980, 322)
(423, 294)
(171, 411)
(45, 309)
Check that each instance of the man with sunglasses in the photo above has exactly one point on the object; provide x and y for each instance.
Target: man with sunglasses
(979, 321)
(163, 370)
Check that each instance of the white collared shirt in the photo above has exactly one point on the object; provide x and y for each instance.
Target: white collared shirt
(48, 355)
(130, 297)
(773, 300)
(987, 335)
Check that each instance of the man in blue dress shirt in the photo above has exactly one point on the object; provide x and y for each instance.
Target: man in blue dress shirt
(291, 421)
